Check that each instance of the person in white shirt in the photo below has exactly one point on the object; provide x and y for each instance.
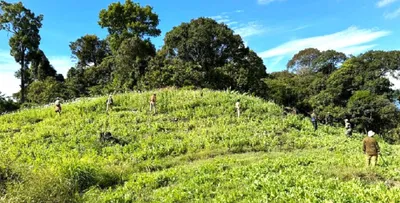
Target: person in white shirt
(58, 106)
(237, 106)
(347, 125)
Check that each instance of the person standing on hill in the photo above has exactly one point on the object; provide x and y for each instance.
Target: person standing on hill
(237, 106)
(329, 119)
(153, 100)
(109, 102)
(314, 120)
(347, 126)
(58, 106)
(371, 149)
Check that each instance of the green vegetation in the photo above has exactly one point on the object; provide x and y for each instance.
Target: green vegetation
(194, 149)
(203, 53)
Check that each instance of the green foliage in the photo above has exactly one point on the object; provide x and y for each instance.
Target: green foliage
(131, 62)
(281, 88)
(89, 49)
(204, 42)
(328, 61)
(6, 104)
(43, 92)
(358, 90)
(173, 72)
(41, 67)
(76, 82)
(217, 57)
(194, 149)
(24, 27)
(372, 111)
(303, 62)
(124, 21)
(313, 60)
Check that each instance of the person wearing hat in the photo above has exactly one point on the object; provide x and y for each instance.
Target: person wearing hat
(109, 102)
(58, 106)
(371, 149)
(347, 126)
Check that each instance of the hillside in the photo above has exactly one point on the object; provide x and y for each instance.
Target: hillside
(193, 150)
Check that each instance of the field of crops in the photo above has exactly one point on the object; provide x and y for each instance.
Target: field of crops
(194, 149)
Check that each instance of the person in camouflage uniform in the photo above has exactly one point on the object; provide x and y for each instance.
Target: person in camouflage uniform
(371, 149)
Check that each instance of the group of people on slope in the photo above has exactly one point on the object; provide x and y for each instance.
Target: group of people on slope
(329, 121)
(109, 104)
(153, 100)
(370, 145)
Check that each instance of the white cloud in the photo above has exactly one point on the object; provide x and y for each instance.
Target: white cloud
(273, 62)
(393, 14)
(221, 18)
(357, 49)
(299, 28)
(9, 84)
(394, 81)
(243, 29)
(61, 63)
(231, 23)
(383, 3)
(265, 2)
(349, 41)
(249, 29)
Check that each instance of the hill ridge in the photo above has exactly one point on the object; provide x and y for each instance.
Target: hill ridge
(61, 158)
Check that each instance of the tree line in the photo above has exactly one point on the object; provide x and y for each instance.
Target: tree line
(202, 53)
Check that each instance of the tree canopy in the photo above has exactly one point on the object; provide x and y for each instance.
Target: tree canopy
(89, 49)
(203, 53)
(24, 26)
(128, 20)
(216, 53)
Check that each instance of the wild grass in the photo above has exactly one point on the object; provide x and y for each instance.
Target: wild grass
(194, 149)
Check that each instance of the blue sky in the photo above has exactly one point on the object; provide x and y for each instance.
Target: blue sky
(275, 29)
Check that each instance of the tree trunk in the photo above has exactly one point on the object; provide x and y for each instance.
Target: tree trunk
(23, 75)
(22, 79)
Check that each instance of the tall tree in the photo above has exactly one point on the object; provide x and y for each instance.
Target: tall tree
(372, 112)
(89, 49)
(24, 26)
(303, 62)
(40, 66)
(44, 91)
(328, 61)
(128, 20)
(131, 62)
(217, 53)
(76, 82)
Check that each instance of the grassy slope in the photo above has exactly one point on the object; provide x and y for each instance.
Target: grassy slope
(193, 150)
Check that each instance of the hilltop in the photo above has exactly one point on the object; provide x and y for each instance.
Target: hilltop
(193, 150)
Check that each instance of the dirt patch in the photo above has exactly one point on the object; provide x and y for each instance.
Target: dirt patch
(392, 184)
(366, 177)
